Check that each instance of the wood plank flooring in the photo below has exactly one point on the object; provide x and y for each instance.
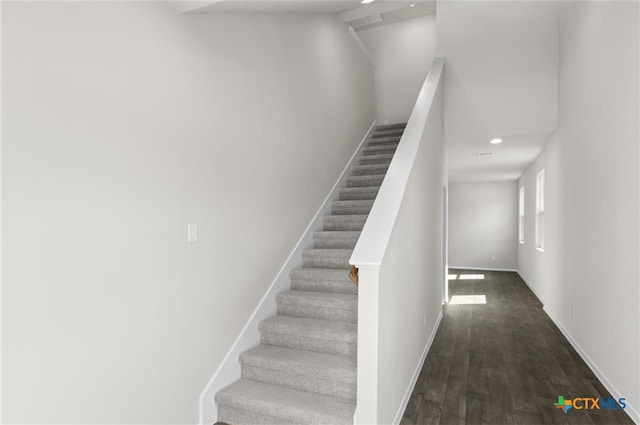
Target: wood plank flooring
(503, 362)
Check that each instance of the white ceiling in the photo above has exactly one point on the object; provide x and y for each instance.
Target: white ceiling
(298, 6)
(507, 161)
(501, 80)
(347, 9)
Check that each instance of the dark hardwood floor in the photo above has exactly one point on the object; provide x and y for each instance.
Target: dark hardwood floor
(503, 362)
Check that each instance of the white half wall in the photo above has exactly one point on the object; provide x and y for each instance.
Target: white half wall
(588, 275)
(403, 52)
(400, 260)
(122, 123)
(483, 225)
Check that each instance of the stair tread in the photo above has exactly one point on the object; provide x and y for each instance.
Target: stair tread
(324, 299)
(338, 368)
(322, 280)
(372, 167)
(387, 140)
(363, 189)
(337, 275)
(287, 404)
(365, 180)
(376, 156)
(354, 202)
(353, 217)
(391, 126)
(333, 330)
(329, 252)
(384, 132)
(337, 234)
(378, 150)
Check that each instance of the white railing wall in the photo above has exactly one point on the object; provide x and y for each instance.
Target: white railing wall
(399, 256)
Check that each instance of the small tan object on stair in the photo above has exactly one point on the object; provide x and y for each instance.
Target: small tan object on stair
(353, 275)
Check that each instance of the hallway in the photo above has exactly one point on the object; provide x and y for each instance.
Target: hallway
(503, 362)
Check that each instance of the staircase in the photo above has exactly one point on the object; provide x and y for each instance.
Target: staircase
(304, 370)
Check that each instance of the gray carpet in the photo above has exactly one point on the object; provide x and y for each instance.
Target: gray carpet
(304, 370)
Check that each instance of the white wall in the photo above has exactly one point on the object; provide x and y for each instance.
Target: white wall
(502, 61)
(411, 300)
(483, 223)
(403, 52)
(123, 122)
(400, 260)
(540, 268)
(590, 262)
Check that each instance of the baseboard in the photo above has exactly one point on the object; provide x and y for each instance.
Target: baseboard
(489, 269)
(416, 373)
(229, 369)
(530, 288)
(630, 410)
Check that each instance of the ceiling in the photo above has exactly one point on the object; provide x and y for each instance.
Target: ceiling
(500, 75)
(348, 10)
(501, 81)
(299, 6)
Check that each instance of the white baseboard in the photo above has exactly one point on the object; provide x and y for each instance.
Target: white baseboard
(416, 373)
(531, 288)
(630, 409)
(489, 269)
(229, 369)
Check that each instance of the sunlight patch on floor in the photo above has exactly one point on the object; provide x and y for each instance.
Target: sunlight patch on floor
(471, 277)
(468, 299)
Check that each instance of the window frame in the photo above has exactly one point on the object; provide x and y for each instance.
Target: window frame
(540, 207)
(521, 224)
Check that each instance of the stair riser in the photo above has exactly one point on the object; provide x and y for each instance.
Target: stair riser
(229, 415)
(387, 134)
(298, 342)
(388, 127)
(326, 262)
(316, 312)
(346, 226)
(365, 181)
(369, 170)
(300, 382)
(340, 287)
(373, 159)
(379, 150)
(359, 194)
(338, 243)
(347, 210)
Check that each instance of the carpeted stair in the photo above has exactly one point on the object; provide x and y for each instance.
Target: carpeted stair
(304, 370)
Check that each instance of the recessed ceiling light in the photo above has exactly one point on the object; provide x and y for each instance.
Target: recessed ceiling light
(413, 5)
(367, 1)
(496, 141)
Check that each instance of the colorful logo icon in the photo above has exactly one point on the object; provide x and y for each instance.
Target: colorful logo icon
(589, 403)
(563, 404)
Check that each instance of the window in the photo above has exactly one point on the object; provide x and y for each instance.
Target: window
(521, 216)
(540, 211)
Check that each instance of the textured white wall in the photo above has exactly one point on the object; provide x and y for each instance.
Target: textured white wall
(483, 223)
(403, 52)
(590, 262)
(123, 122)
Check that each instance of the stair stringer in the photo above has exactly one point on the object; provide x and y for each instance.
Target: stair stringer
(229, 370)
